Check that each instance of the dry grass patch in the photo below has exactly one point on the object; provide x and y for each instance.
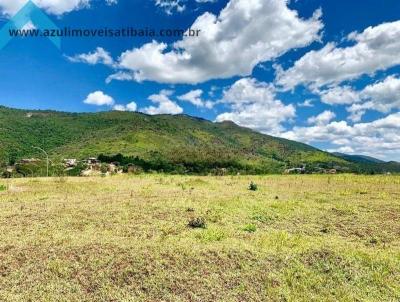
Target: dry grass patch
(126, 238)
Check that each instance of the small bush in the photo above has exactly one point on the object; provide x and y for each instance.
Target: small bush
(211, 235)
(253, 186)
(373, 241)
(264, 218)
(250, 228)
(3, 188)
(198, 223)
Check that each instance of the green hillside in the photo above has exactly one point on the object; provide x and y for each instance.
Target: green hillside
(172, 143)
(359, 158)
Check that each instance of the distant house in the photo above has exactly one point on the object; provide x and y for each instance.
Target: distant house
(295, 171)
(70, 163)
(93, 164)
(10, 169)
(112, 168)
(92, 161)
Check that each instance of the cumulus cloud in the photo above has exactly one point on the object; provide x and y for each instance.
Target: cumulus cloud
(254, 105)
(383, 96)
(378, 138)
(164, 104)
(128, 107)
(99, 98)
(245, 33)
(339, 95)
(120, 76)
(194, 97)
(376, 48)
(55, 7)
(323, 118)
(171, 6)
(99, 56)
(307, 103)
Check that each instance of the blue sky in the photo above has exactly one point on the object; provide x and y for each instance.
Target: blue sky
(321, 72)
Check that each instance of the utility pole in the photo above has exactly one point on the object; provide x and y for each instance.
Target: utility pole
(47, 158)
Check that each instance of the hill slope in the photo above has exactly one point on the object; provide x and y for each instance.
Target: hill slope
(193, 144)
(359, 158)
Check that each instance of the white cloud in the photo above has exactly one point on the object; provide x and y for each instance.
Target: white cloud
(322, 119)
(194, 97)
(339, 95)
(245, 33)
(383, 96)
(376, 48)
(129, 107)
(346, 150)
(99, 56)
(119, 107)
(307, 103)
(120, 76)
(164, 104)
(378, 138)
(98, 98)
(253, 104)
(55, 7)
(169, 6)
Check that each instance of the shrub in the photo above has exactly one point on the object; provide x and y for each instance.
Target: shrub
(253, 186)
(211, 235)
(3, 188)
(104, 169)
(198, 223)
(250, 228)
(6, 174)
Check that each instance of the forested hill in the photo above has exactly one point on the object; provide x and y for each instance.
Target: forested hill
(174, 143)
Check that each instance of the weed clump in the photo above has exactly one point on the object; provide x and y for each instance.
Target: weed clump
(253, 186)
(373, 241)
(198, 223)
(3, 188)
(250, 228)
(325, 230)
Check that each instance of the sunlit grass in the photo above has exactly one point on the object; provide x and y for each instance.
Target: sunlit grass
(128, 238)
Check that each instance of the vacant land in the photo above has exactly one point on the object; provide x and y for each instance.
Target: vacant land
(126, 238)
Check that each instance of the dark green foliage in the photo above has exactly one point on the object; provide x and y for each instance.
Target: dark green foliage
(76, 171)
(197, 223)
(3, 188)
(250, 228)
(253, 186)
(171, 144)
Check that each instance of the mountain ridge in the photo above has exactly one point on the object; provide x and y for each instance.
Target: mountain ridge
(359, 158)
(179, 143)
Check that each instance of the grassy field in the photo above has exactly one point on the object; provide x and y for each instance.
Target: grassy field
(126, 238)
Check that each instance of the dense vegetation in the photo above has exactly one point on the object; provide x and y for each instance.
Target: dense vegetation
(172, 144)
